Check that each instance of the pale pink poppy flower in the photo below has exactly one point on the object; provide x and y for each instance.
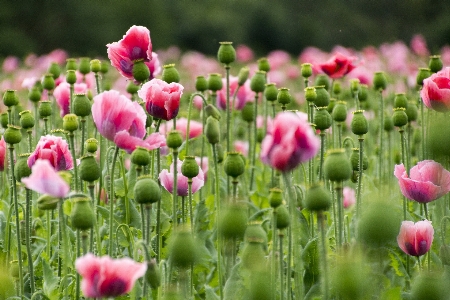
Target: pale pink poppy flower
(166, 179)
(349, 197)
(88, 79)
(45, 180)
(293, 72)
(10, 64)
(105, 277)
(419, 45)
(197, 102)
(190, 61)
(436, 91)
(445, 55)
(291, 142)
(30, 82)
(278, 59)
(277, 76)
(54, 149)
(195, 128)
(241, 147)
(338, 66)
(396, 56)
(135, 45)
(203, 163)
(243, 95)
(170, 54)
(124, 140)
(162, 99)
(244, 53)
(260, 123)
(427, 181)
(415, 238)
(2, 153)
(62, 95)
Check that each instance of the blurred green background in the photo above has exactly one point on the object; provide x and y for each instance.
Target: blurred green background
(84, 27)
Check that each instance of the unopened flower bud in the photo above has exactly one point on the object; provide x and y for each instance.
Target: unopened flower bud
(146, 190)
(26, 119)
(379, 81)
(322, 79)
(233, 222)
(140, 156)
(435, 64)
(283, 218)
(201, 84)
(170, 74)
(91, 145)
(339, 113)
(96, 65)
(226, 54)
(359, 123)
(411, 111)
(12, 135)
(310, 94)
(174, 139)
(318, 198)
(284, 97)
(322, 118)
(153, 275)
(399, 117)
(215, 82)
(355, 86)
(258, 82)
(337, 166)
(14, 269)
(54, 69)
(234, 165)
(189, 167)
(82, 215)
(89, 168)
(71, 64)
(331, 105)
(81, 105)
(70, 122)
(248, 112)
(10, 98)
(400, 100)
(275, 197)
(212, 130)
(263, 64)
(35, 94)
(220, 153)
(21, 168)
(306, 70)
(322, 96)
(48, 82)
(140, 71)
(243, 74)
(47, 202)
(271, 92)
(212, 111)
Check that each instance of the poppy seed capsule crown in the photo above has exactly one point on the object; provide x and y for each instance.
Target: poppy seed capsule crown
(226, 54)
(337, 166)
(170, 74)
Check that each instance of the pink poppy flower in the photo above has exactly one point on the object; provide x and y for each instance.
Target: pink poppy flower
(2, 153)
(106, 277)
(419, 45)
(124, 140)
(427, 181)
(162, 99)
(45, 180)
(241, 147)
(349, 197)
(195, 128)
(244, 94)
(55, 150)
(10, 64)
(135, 45)
(166, 179)
(415, 238)
(436, 91)
(338, 66)
(113, 112)
(291, 142)
(244, 53)
(62, 95)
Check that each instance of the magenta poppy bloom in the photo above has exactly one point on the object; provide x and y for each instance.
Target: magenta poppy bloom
(55, 150)
(45, 180)
(166, 179)
(113, 113)
(415, 238)
(338, 66)
(427, 181)
(2, 153)
(436, 91)
(162, 99)
(127, 142)
(135, 45)
(291, 142)
(62, 95)
(106, 277)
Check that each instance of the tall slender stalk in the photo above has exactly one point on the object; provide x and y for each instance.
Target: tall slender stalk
(323, 254)
(254, 139)
(28, 237)
(111, 203)
(218, 209)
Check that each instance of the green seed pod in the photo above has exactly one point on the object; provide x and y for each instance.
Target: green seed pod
(388, 123)
(89, 168)
(132, 88)
(146, 190)
(140, 156)
(400, 100)
(71, 77)
(283, 218)
(153, 275)
(339, 113)
(82, 215)
(336, 88)
(85, 65)
(248, 112)
(271, 92)
(12, 135)
(379, 81)
(212, 111)
(91, 145)
(189, 167)
(234, 165)
(430, 286)
(141, 72)
(4, 119)
(244, 72)
(359, 123)
(275, 197)
(284, 97)
(35, 94)
(95, 65)
(363, 93)
(259, 289)
(310, 94)
(354, 159)
(306, 70)
(170, 74)
(71, 64)
(233, 221)
(355, 86)
(417, 138)
(220, 153)
(54, 69)
(254, 233)
(47, 202)
(183, 249)
(258, 82)
(212, 130)
(399, 117)
(411, 111)
(318, 198)
(201, 84)
(10, 98)
(322, 118)
(45, 109)
(21, 168)
(174, 139)
(48, 83)
(253, 257)
(423, 73)
(323, 97)
(215, 82)
(331, 105)
(260, 135)
(226, 54)
(70, 122)
(435, 64)
(337, 166)
(26, 119)
(263, 64)
(105, 67)
(322, 79)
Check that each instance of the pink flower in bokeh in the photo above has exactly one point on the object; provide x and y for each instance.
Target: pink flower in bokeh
(197, 102)
(278, 58)
(195, 128)
(419, 45)
(45, 180)
(166, 179)
(436, 91)
(62, 95)
(427, 181)
(241, 147)
(2, 153)
(105, 277)
(291, 142)
(338, 66)
(55, 150)
(313, 56)
(244, 53)
(396, 56)
(135, 45)
(243, 95)
(162, 99)
(10, 64)
(204, 165)
(260, 123)
(349, 197)
(445, 55)
(113, 112)
(124, 140)
(415, 238)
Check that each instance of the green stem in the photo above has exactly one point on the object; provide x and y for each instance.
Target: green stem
(49, 232)
(322, 152)
(83, 134)
(254, 138)
(191, 216)
(281, 255)
(274, 255)
(125, 187)
(175, 189)
(422, 124)
(74, 158)
(71, 98)
(218, 209)
(65, 256)
(360, 174)
(30, 140)
(381, 155)
(338, 189)
(111, 204)
(97, 83)
(323, 254)
(28, 238)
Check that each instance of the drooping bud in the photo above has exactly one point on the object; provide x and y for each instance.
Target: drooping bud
(359, 123)
(399, 118)
(215, 82)
(337, 88)
(234, 165)
(226, 54)
(263, 64)
(141, 72)
(317, 198)
(435, 64)
(189, 167)
(26, 119)
(243, 74)
(271, 92)
(170, 74)
(212, 130)
(306, 70)
(174, 139)
(212, 111)
(322, 96)
(220, 153)
(12, 135)
(337, 166)
(146, 190)
(70, 122)
(89, 168)
(379, 81)
(258, 82)
(153, 275)
(140, 156)
(201, 84)
(354, 159)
